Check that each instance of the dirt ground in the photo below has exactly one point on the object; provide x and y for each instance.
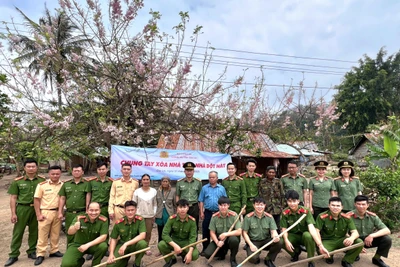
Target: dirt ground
(283, 257)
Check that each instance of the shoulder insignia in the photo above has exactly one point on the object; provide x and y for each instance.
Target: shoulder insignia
(267, 214)
(314, 177)
(102, 218)
(257, 174)
(173, 216)
(250, 214)
(198, 179)
(301, 175)
(285, 175)
(239, 178)
(138, 217)
(216, 214)
(119, 221)
(355, 177)
(110, 179)
(192, 218)
(226, 178)
(19, 178)
(350, 213)
(40, 176)
(232, 213)
(371, 213)
(69, 180)
(324, 216)
(345, 215)
(286, 211)
(81, 217)
(134, 179)
(302, 211)
(337, 178)
(43, 182)
(242, 174)
(90, 179)
(117, 179)
(181, 179)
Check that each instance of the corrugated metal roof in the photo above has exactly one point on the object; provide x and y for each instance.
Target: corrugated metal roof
(209, 143)
(310, 145)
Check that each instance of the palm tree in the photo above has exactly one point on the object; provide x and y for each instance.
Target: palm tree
(57, 33)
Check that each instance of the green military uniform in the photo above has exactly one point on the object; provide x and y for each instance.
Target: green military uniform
(101, 192)
(321, 193)
(299, 184)
(126, 231)
(299, 235)
(333, 233)
(258, 230)
(347, 191)
(251, 183)
(219, 225)
(236, 191)
(75, 201)
(190, 191)
(369, 224)
(88, 232)
(24, 188)
(181, 232)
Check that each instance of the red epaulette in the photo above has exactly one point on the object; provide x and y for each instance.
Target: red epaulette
(302, 211)
(250, 214)
(138, 217)
(81, 217)
(257, 174)
(239, 178)
(324, 216)
(242, 174)
(90, 179)
(351, 214)
(371, 213)
(19, 178)
(217, 214)
(345, 215)
(173, 216)
(102, 218)
(286, 211)
(232, 213)
(267, 214)
(119, 221)
(111, 179)
(43, 182)
(192, 218)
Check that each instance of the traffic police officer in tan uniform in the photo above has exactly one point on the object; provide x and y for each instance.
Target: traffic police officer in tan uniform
(21, 192)
(46, 207)
(189, 188)
(121, 191)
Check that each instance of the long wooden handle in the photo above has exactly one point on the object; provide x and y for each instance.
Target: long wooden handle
(230, 229)
(272, 240)
(173, 252)
(323, 256)
(124, 256)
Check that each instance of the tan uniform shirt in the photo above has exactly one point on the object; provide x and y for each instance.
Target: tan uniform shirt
(48, 193)
(121, 191)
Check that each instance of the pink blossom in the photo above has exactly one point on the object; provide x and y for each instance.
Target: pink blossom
(116, 9)
(238, 81)
(186, 68)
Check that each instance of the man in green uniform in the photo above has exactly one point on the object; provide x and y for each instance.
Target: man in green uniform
(333, 227)
(220, 223)
(271, 190)
(90, 233)
(297, 182)
(372, 230)
(258, 229)
(189, 188)
(127, 236)
(179, 231)
(303, 233)
(73, 194)
(21, 191)
(235, 188)
(251, 180)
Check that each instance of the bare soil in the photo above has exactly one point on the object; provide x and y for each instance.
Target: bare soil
(283, 257)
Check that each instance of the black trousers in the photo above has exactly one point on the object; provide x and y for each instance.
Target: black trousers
(318, 211)
(383, 245)
(273, 250)
(231, 243)
(194, 212)
(206, 223)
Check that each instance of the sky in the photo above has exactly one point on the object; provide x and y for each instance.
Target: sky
(316, 41)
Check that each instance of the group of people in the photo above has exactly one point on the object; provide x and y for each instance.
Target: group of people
(336, 215)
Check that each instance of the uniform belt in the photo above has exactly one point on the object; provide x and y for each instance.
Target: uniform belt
(26, 204)
(193, 204)
(50, 209)
(75, 211)
(119, 206)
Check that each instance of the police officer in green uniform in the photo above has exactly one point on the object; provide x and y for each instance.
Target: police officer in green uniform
(21, 191)
(271, 190)
(321, 189)
(347, 185)
(235, 188)
(372, 230)
(179, 231)
(73, 194)
(303, 233)
(220, 223)
(127, 236)
(297, 182)
(251, 180)
(334, 226)
(189, 188)
(90, 233)
(99, 188)
(258, 229)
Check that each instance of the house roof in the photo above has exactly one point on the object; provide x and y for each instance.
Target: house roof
(309, 145)
(209, 143)
(373, 138)
(291, 150)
